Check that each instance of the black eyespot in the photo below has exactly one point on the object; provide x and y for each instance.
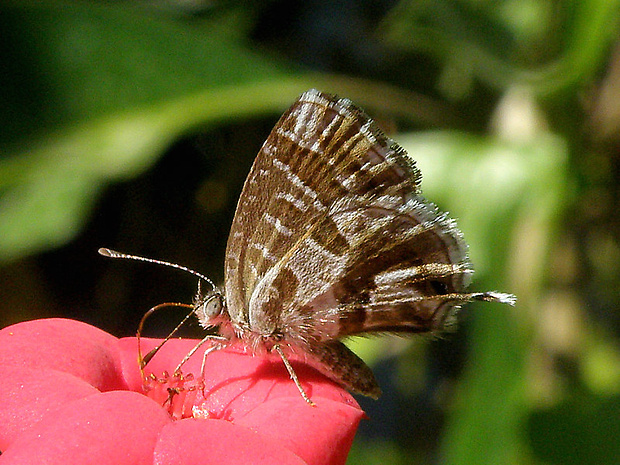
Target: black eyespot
(439, 287)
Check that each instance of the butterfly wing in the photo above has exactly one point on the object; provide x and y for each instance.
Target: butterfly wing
(331, 233)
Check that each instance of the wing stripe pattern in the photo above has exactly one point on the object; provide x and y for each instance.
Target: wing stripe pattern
(332, 238)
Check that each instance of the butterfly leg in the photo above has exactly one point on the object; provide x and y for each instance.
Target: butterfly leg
(217, 346)
(293, 375)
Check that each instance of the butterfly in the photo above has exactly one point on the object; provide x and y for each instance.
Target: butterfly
(331, 239)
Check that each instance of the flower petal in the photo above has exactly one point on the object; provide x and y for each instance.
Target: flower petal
(235, 381)
(247, 408)
(29, 394)
(321, 435)
(203, 442)
(64, 345)
(111, 428)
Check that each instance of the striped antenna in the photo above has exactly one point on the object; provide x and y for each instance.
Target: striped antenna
(114, 254)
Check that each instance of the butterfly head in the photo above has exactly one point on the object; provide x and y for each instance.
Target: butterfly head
(209, 308)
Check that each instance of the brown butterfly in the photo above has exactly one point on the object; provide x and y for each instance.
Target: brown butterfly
(332, 238)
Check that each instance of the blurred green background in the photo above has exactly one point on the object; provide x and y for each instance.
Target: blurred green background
(132, 125)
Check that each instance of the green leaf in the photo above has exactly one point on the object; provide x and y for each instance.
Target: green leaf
(95, 94)
(581, 431)
(508, 43)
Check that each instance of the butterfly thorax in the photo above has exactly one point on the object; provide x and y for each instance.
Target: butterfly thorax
(260, 334)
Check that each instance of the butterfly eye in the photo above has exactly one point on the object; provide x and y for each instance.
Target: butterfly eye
(209, 308)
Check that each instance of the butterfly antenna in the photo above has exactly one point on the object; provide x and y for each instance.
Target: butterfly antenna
(143, 360)
(114, 254)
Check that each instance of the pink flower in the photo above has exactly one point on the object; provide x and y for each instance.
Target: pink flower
(71, 393)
